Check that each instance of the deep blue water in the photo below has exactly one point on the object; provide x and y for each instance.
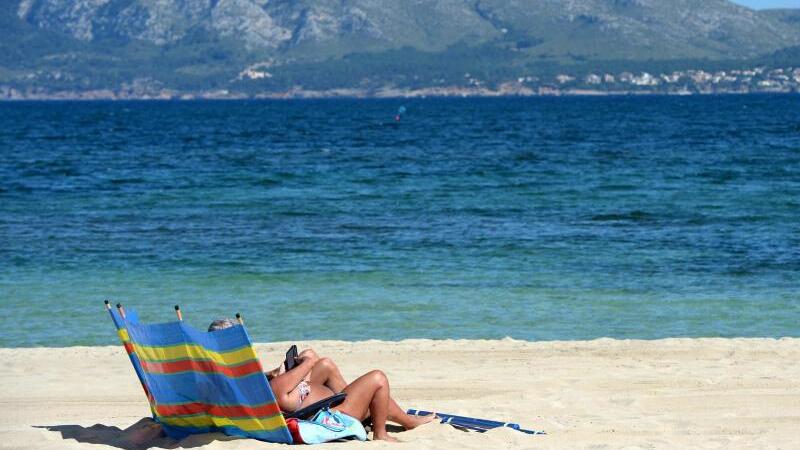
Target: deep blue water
(554, 218)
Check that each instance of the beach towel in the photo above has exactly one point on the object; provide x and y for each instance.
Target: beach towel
(326, 426)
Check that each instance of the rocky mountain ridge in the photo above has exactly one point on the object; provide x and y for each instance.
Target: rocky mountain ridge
(214, 43)
(685, 27)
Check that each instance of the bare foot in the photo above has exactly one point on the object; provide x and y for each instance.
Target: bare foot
(383, 437)
(421, 420)
(143, 432)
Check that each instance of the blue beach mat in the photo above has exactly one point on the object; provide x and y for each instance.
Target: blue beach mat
(472, 423)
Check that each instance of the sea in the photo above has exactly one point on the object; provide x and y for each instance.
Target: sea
(530, 218)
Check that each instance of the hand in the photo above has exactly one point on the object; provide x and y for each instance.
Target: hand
(308, 354)
(280, 370)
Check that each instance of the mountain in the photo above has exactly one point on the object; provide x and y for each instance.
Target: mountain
(787, 16)
(268, 45)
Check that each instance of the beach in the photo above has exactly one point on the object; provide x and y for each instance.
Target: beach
(671, 393)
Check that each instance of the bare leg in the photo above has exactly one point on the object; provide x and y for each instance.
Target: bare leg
(398, 416)
(369, 395)
(327, 373)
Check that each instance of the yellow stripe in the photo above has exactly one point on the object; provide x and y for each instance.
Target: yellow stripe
(193, 351)
(123, 334)
(205, 420)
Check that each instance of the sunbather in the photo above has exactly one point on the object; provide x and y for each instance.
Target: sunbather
(316, 378)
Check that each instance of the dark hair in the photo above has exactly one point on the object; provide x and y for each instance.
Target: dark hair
(221, 324)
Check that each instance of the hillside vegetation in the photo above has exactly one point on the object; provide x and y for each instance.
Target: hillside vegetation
(275, 45)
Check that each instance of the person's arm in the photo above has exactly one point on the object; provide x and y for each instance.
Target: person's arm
(287, 381)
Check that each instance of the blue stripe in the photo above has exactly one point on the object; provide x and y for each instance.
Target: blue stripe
(119, 322)
(175, 333)
(209, 388)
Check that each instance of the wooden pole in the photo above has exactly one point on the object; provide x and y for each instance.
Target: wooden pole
(239, 318)
(108, 305)
(178, 312)
(121, 310)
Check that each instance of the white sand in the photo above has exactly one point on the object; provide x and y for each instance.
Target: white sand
(674, 393)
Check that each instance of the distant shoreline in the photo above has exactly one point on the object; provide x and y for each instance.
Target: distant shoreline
(104, 95)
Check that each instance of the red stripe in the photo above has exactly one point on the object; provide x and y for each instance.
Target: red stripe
(201, 366)
(128, 347)
(218, 410)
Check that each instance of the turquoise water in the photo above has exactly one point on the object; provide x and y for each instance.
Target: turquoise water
(562, 218)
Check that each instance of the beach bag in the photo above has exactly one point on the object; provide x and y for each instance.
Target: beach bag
(326, 426)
